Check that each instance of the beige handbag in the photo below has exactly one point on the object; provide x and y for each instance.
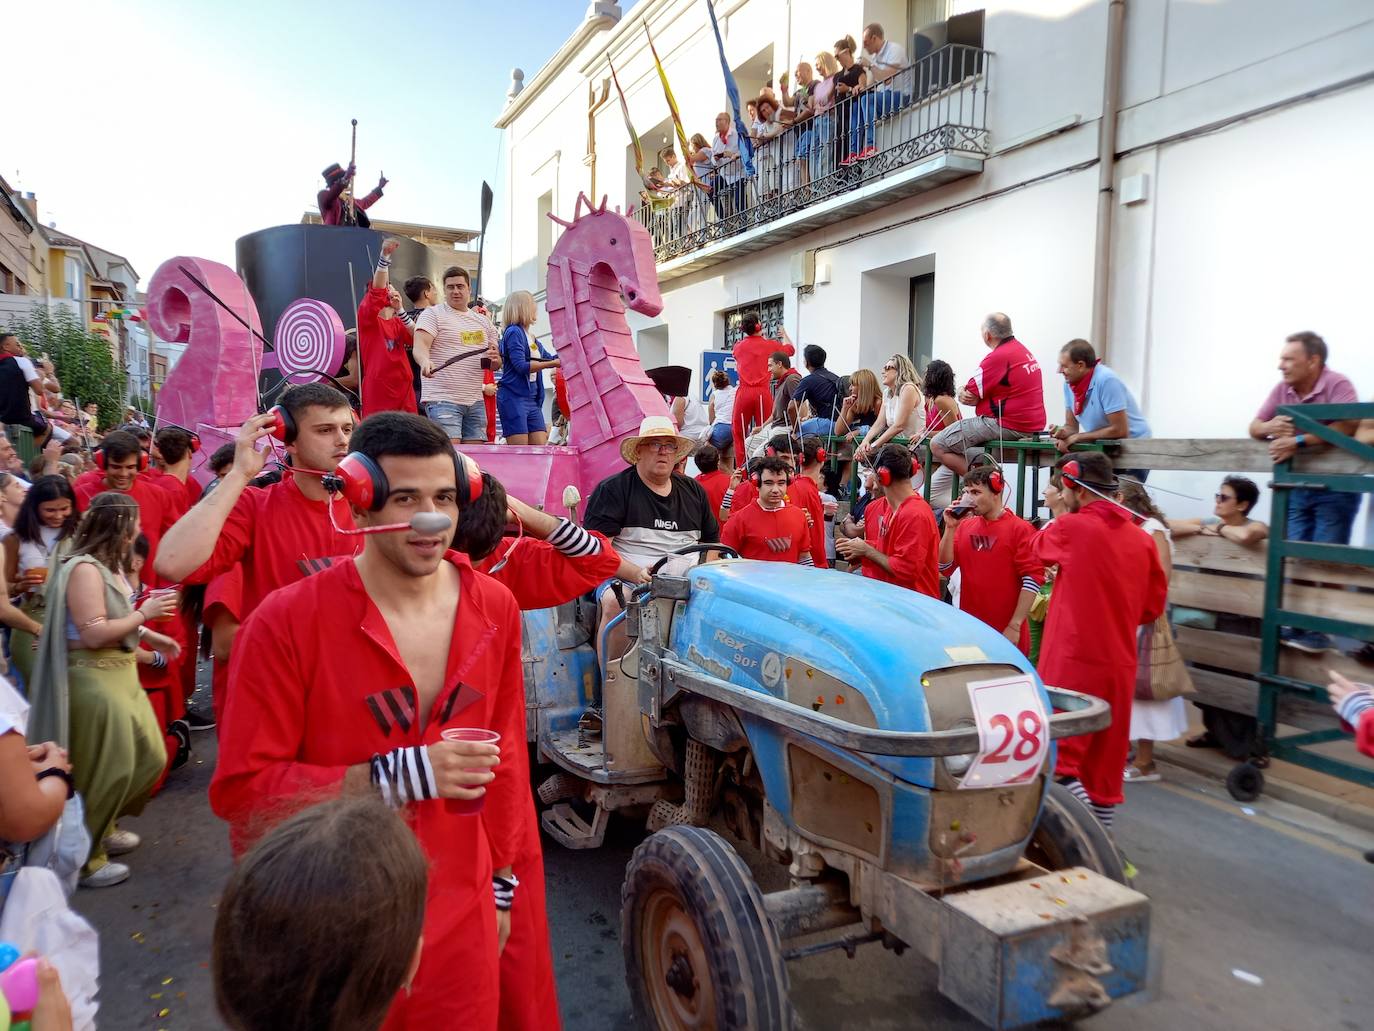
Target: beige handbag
(1160, 673)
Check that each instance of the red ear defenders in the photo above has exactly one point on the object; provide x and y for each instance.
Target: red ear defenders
(363, 484)
(758, 479)
(195, 441)
(1072, 474)
(884, 475)
(285, 428)
(997, 481)
(100, 459)
(820, 454)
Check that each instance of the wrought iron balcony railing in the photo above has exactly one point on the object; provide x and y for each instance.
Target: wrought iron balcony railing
(937, 105)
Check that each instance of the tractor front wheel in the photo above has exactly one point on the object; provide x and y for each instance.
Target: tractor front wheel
(700, 951)
(1068, 834)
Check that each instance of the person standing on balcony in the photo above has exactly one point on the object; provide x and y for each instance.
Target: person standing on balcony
(1320, 516)
(820, 106)
(728, 192)
(849, 80)
(752, 356)
(1097, 405)
(882, 60)
(1007, 394)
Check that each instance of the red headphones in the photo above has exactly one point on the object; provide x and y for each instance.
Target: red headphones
(997, 481)
(820, 454)
(884, 475)
(195, 441)
(1072, 473)
(363, 484)
(100, 459)
(285, 428)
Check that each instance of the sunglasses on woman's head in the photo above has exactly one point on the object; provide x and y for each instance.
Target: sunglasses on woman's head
(889, 368)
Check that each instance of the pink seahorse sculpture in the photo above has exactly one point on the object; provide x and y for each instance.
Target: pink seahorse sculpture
(602, 261)
(214, 388)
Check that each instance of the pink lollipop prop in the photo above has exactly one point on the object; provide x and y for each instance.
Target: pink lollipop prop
(308, 341)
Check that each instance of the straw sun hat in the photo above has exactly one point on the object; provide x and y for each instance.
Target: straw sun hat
(653, 428)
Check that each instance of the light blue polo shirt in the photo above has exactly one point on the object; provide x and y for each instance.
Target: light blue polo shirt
(1106, 395)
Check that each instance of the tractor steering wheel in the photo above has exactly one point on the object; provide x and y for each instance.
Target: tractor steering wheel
(695, 549)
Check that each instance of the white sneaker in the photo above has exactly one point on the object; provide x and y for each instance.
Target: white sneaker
(108, 875)
(119, 842)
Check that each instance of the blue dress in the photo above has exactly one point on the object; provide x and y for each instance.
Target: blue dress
(520, 392)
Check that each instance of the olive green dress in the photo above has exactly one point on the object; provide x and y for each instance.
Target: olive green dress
(90, 701)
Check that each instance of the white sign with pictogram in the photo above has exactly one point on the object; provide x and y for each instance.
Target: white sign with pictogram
(1013, 732)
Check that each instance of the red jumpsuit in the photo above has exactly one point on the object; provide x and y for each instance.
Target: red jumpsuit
(386, 381)
(540, 577)
(223, 601)
(753, 400)
(910, 540)
(1110, 581)
(278, 534)
(319, 687)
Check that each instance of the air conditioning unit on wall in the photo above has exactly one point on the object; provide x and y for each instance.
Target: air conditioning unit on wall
(804, 269)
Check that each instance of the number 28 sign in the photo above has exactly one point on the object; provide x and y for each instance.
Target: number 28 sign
(1013, 732)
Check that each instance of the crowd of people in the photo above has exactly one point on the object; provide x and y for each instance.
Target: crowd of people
(821, 119)
(405, 683)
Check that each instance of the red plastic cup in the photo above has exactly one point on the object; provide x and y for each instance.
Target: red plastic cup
(463, 806)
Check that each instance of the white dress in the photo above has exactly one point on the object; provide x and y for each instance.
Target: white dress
(724, 397)
(1158, 721)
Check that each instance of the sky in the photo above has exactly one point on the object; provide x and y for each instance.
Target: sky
(158, 128)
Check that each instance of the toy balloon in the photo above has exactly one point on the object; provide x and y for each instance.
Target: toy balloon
(8, 954)
(20, 985)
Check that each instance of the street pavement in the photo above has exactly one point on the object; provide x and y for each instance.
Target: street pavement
(1263, 917)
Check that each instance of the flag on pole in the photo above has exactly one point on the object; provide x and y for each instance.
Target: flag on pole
(629, 125)
(672, 110)
(746, 145)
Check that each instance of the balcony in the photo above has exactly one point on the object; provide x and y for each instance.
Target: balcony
(922, 128)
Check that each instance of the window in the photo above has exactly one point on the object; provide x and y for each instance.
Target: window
(71, 272)
(920, 13)
(770, 311)
(921, 347)
(545, 235)
(6, 281)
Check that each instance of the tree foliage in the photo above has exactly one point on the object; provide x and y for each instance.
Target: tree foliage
(85, 366)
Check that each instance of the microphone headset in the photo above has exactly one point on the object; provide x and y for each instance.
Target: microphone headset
(363, 484)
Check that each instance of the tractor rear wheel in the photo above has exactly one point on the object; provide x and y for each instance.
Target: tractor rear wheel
(1068, 834)
(700, 951)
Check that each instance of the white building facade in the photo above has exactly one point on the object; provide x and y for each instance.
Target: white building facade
(1235, 208)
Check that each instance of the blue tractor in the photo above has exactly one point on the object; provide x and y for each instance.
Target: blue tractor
(827, 722)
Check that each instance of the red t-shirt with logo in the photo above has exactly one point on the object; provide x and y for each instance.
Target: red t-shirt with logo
(156, 512)
(1009, 387)
(995, 556)
(910, 540)
(780, 535)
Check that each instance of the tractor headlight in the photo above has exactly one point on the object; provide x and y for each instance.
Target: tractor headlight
(958, 765)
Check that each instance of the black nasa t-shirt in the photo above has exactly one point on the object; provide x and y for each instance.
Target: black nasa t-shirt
(646, 526)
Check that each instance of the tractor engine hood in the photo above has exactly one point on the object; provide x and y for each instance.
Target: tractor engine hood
(853, 648)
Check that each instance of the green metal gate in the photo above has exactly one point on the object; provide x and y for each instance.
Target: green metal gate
(1296, 748)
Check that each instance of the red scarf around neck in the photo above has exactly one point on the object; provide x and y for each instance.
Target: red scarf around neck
(1080, 391)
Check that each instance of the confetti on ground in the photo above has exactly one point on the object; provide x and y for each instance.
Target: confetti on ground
(137, 936)
(168, 981)
(155, 995)
(1247, 810)
(1247, 977)
(163, 1012)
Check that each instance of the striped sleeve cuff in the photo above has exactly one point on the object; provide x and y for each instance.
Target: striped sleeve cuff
(946, 568)
(807, 560)
(729, 497)
(410, 316)
(1028, 584)
(1355, 705)
(573, 541)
